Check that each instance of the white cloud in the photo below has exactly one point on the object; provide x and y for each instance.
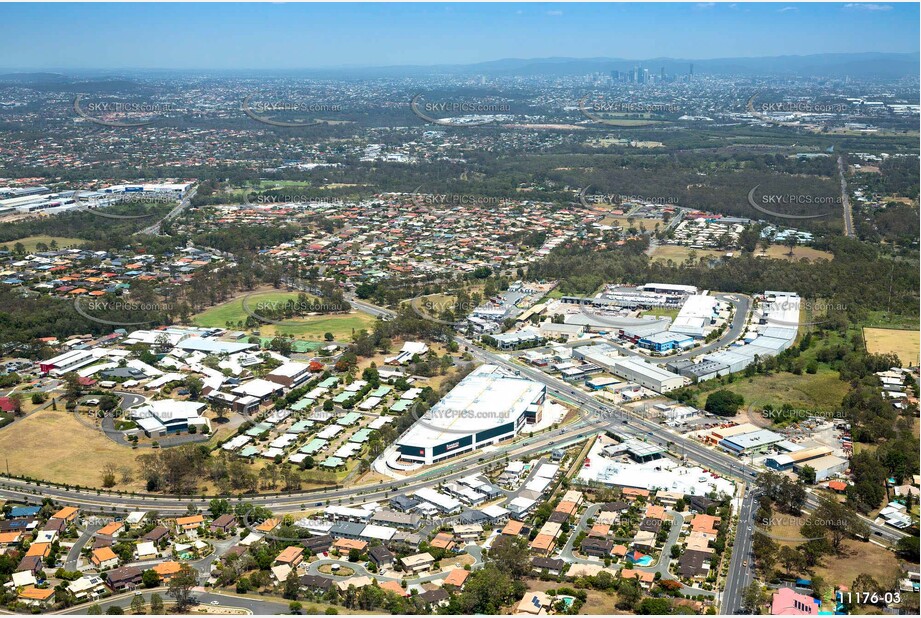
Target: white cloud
(554, 13)
(787, 9)
(860, 6)
(706, 5)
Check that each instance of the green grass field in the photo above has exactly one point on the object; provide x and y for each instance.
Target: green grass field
(821, 391)
(269, 184)
(31, 241)
(310, 327)
(660, 312)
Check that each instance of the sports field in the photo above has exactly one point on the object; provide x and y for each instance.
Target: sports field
(309, 327)
(31, 241)
(906, 344)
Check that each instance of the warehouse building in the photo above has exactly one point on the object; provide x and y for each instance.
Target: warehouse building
(647, 375)
(601, 355)
(666, 341)
(825, 467)
(486, 407)
(697, 313)
(751, 443)
(668, 288)
(699, 371)
(787, 461)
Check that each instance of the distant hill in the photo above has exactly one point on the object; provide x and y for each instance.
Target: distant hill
(863, 65)
(880, 65)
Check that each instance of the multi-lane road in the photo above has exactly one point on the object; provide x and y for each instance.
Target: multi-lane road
(154, 229)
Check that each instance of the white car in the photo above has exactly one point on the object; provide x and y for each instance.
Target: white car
(91, 402)
(215, 602)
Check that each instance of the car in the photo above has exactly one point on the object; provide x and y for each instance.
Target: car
(91, 402)
(215, 602)
(745, 563)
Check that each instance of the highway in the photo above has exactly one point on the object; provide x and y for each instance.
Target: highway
(845, 200)
(742, 564)
(154, 229)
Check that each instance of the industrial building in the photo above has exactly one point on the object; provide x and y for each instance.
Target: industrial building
(786, 461)
(697, 313)
(666, 341)
(774, 330)
(825, 467)
(601, 355)
(486, 407)
(669, 288)
(751, 443)
(699, 371)
(647, 375)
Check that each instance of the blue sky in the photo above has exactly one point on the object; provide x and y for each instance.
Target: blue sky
(290, 36)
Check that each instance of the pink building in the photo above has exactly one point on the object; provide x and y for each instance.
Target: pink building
(788, 602)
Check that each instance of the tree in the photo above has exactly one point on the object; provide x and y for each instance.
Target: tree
(908, 547)
(292, 586)
(115, 610)
(16, 399)
(511, 555)
(628, 595)
(156, 604)
(328, 336)
(72, 388)
(180, 587)
(94, 610)
(724, 403)
(150, 578)
(790, 558)
(807, 475)
(138, 604)
(218, 507)
(753, 597)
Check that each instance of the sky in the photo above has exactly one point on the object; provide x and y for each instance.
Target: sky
(295, 36)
